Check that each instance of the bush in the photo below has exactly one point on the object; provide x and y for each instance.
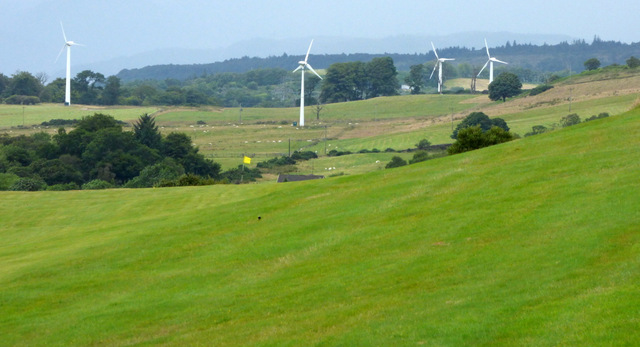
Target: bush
(633, 62)
(419, 156)
(396, 162)
(242, 174)
(599, 116)
(28, 184)
(187, 180)
(306, 155)
(540, 89)
(22, 100)
(152, 175)
(479, 119)
(60, 122)
(474, 138)
(63, 187)
(592, 64)
(423, 144)
(97, 184)
(281, 161)
(537, 129)
(569, 120)
(7, 180)
(336, 153)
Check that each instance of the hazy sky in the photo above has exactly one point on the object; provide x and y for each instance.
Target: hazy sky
(30, 35)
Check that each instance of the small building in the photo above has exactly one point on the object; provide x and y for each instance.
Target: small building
(297, 178)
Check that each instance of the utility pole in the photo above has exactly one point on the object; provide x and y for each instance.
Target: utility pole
(325, 140)
(451, 108)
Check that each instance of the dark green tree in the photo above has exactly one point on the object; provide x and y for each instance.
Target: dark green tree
(423, 144)
(54, 91)
(87, 86)
(395, 162)
(24, 83)
(537, 129)
(97, 122)
(479, 119)
(178, 146)
(592, 64)
(569, 120)
(4, 84)
(344, 82)
(153, 175)
(506, 85)
(56, 171)
(474, 138)
(415, 79)
(419, 156)
(633, 62)
(146, 132)
(111, 91)
(311, 82)
(382, 77)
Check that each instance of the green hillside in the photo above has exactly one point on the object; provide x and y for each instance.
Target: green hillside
(533, 242)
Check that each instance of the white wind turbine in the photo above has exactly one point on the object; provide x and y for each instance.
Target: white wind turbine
(490, 62)
(439, 67)
(67, 44)
(303, 66)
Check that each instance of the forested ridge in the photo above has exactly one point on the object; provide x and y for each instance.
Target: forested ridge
(545, 58)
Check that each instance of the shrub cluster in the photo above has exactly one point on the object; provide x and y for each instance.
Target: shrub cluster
(22, 100)
(599, 116)
(98, 154)
(540, 89)
(60, 122)
(337, 153)
(474, 138)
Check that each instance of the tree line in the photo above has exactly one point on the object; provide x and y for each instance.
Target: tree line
(99, 152)
(543, 59)
(265, 87)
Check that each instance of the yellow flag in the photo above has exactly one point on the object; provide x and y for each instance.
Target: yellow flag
(247, 160)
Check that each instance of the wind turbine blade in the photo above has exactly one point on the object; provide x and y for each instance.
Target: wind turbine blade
(500, 61)
(434, 69)
(487, 46)
(63, 34)
(308, 50)
(298, 68)
(63, 46)
(485, 65)
(314, 71)
(445, 59)
(434, 50)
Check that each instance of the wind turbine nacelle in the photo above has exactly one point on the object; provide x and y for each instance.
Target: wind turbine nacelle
(302, 63)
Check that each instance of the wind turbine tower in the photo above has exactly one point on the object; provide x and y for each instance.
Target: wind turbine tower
(67, 44)
(438, 66)
(303, 65)
(490, 62)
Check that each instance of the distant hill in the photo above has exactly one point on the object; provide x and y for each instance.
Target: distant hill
(542, 58)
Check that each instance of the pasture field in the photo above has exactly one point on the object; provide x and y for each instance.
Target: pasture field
(226, 134)
(12, 115)
(532, 242)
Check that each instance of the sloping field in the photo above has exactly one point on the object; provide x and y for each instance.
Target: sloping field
(533, 242)
(16, 115)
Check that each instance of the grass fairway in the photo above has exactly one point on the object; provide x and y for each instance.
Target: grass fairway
(533, 242)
